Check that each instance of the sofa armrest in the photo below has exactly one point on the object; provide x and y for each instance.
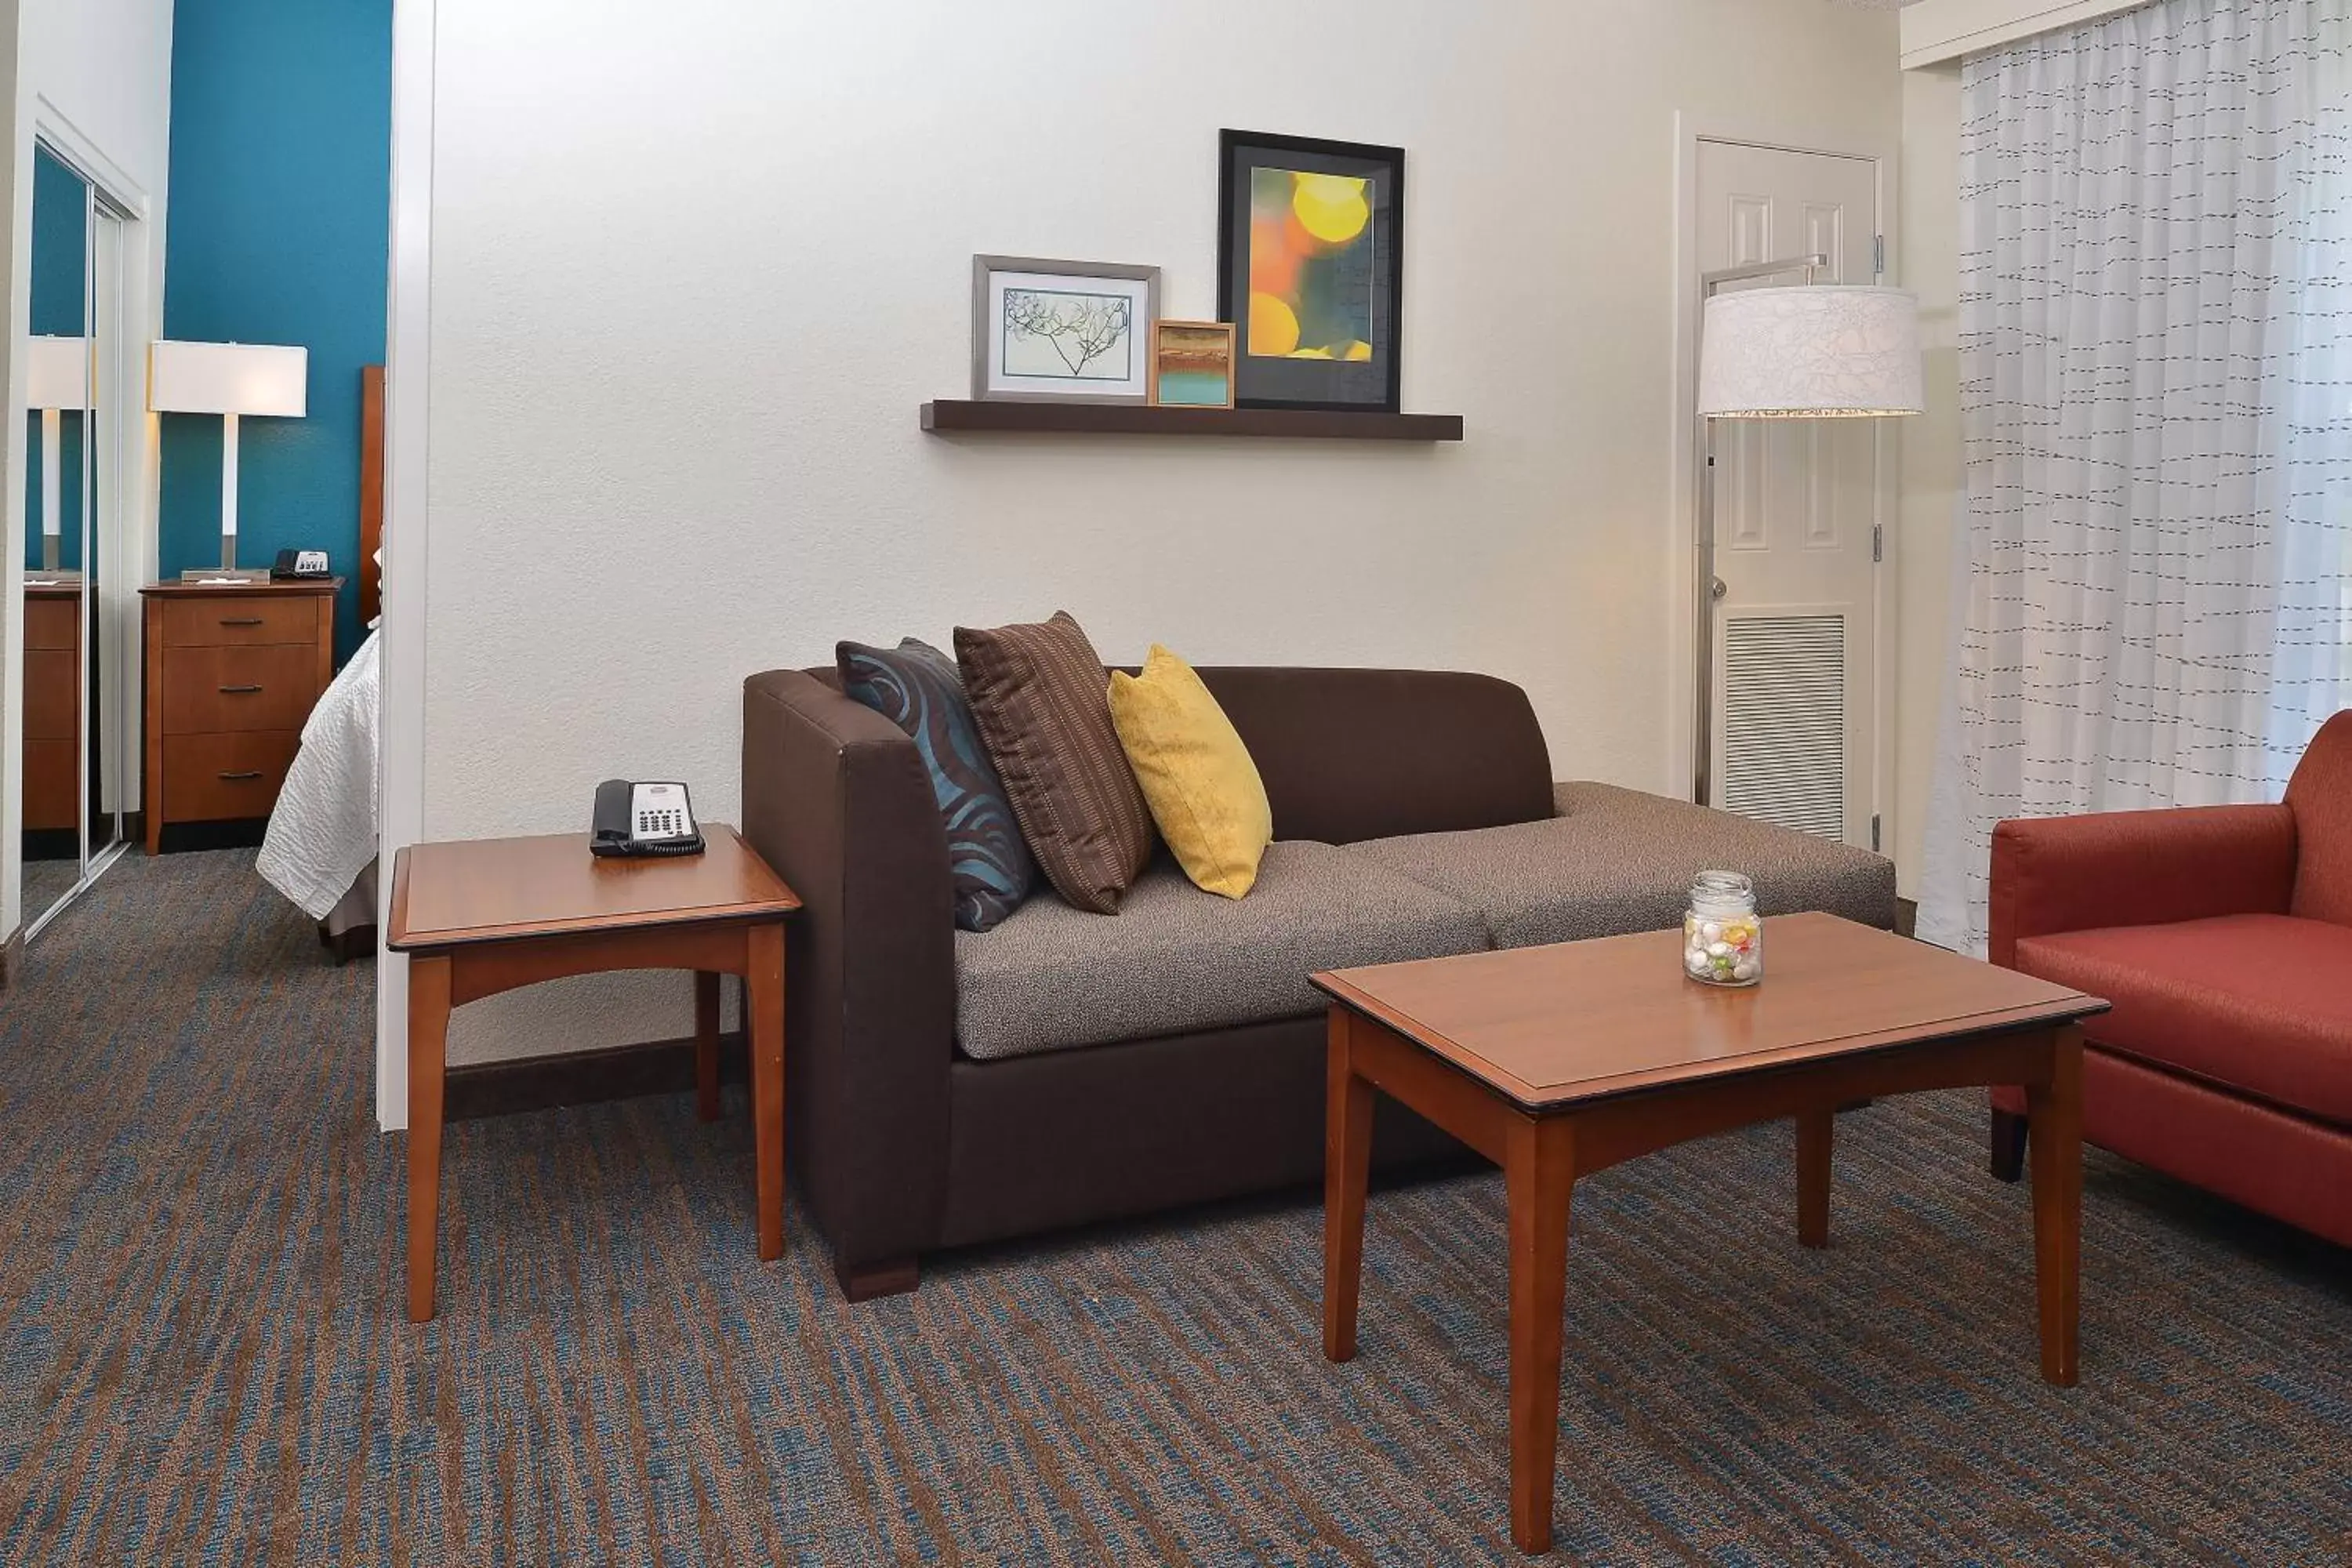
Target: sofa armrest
(836, 798)
(2136, 868)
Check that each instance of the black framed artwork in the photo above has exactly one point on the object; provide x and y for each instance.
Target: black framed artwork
(1310, 270)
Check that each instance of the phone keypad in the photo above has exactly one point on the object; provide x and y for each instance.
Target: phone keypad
(666, 823)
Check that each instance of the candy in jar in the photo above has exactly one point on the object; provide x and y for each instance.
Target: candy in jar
(1723, 938)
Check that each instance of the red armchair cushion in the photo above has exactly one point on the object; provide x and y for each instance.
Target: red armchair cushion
(2321, 796)
(2256, 1003)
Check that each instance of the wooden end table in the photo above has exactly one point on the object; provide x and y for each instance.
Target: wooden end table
(479, 918)
(1556, 1062)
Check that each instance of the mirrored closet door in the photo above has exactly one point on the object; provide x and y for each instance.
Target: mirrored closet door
(77, 592)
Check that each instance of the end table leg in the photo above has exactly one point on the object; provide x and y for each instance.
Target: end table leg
(1347, 1170)
(428, 1052)
(1539, 1173)
(706, 1045)
(2054, 1125)
(765, 1041)
(1816, 1134)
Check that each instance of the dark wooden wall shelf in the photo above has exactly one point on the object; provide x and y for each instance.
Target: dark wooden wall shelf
(950, 416)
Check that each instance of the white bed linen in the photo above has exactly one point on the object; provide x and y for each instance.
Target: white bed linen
(322, 833)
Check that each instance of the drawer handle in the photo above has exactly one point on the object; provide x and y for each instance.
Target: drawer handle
(239, 690)
(239, 778)
(240, 620)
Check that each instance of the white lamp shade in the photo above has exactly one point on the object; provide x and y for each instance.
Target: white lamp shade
(57, 375)
(228, 378)
(1824, 352)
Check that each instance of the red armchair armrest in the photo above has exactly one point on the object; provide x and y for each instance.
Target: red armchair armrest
(2137, 868)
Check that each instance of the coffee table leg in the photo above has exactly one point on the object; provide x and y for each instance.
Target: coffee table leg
(1816, 1134)
(428, 1055)
(706, 1045)
(765, 1041)
(1539, 1175)
(2053, 1123)
(1347, 1170)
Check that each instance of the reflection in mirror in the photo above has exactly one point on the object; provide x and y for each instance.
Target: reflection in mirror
(109, 588)
(57, 617)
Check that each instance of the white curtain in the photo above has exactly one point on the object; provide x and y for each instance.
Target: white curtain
(2155, 350)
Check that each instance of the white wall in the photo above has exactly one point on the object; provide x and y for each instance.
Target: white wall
(1930, 267)
(95, 76)
(690, 281)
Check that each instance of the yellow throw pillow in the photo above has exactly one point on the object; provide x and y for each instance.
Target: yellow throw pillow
(1197, 776)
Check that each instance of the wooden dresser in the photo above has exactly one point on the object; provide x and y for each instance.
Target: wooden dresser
(53, 703)
(232, 670)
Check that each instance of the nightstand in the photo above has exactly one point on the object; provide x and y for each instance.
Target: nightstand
(232, 670)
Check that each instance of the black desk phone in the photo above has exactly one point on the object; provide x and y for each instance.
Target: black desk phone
(642, 819)
(293, 565)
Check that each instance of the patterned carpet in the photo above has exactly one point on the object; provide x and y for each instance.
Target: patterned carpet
(205, 1361)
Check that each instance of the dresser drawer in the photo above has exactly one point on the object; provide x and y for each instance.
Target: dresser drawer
(211, 622)
(52, 694)
(262, 688)
(52, 784)
(211, 778)
(52, 623)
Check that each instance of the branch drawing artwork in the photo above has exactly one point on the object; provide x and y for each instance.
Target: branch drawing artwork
(1080, 329)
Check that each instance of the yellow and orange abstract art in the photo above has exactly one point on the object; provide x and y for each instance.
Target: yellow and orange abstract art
(1310, 266)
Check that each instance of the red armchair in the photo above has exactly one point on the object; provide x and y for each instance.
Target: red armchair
(2224, 936)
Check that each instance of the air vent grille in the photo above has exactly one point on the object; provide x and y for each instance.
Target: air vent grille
(1784, 721)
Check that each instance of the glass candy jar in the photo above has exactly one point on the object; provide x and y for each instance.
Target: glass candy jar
(1723, 940)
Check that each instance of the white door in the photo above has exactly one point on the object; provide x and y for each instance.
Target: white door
(1795, 676)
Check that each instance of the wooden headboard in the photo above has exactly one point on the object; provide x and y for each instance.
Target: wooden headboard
(370, 491)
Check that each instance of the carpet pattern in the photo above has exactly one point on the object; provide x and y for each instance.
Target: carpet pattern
(203, 1357)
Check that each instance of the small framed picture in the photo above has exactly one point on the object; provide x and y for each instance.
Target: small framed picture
(1044, 331)
(1192, 364)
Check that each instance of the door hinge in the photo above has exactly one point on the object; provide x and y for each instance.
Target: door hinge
(1877, 542)
(1873, 833)
(1878, 254)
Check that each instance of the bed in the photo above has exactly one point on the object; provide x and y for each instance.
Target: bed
(320, 846)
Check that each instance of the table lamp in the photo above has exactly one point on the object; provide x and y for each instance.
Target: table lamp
(232, 380)
(1802, 352)
(56, 378)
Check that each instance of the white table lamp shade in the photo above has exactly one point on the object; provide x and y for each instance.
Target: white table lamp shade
(228, 378)
(58, 373)
(1823, 352)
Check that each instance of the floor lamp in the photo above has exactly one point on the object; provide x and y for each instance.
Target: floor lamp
(56, 379)
(1809, 352)
(232, 380)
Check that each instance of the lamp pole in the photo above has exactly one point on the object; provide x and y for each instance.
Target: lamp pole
(1711, 589)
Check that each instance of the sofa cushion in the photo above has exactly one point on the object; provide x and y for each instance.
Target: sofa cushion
(916, 686)
(1197, 776)
(1041, 698)
(2251, 1003)
(1616, 860)
(1177, 959)
(1351, 754)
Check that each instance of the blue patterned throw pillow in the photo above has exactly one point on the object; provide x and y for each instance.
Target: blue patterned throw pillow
(916, 686)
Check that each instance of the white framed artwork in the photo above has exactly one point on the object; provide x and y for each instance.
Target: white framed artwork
(1049, 330)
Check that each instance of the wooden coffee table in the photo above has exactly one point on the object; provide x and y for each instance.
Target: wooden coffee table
(483, 916)
(1556, 1062)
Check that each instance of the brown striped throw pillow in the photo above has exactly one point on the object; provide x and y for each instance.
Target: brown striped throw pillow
(1041, 700)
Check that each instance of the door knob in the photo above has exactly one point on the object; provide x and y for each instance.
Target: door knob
(1717, 589)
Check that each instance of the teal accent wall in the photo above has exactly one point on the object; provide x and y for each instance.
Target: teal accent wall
(60, 272)
(279, 233)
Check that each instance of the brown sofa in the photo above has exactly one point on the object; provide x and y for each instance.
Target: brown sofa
(944, 1087)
